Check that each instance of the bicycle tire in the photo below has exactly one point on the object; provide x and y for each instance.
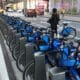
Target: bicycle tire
(18, 62)
(15, 55)
(29, 70)
(74, 31)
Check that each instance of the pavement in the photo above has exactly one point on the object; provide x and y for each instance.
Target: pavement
(47, 15)
(72, 18)
(7, 64)
(3, 69)
(43, 19)
(67, 17)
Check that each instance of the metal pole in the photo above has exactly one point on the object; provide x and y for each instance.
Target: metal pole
(3, 4)
(25, 3)
(62, 2)
(35, 7)
(35, 4)
(25, 6)
(72, 6)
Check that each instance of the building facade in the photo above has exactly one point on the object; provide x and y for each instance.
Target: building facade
(70, 6)
(38, 5)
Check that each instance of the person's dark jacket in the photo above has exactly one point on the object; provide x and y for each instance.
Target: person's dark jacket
(54, 20)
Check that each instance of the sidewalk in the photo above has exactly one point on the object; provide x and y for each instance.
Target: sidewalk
(46, 15)
(5, 63)
(72, 18)
(67, 17)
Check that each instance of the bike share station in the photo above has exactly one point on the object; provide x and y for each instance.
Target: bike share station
(38, 55)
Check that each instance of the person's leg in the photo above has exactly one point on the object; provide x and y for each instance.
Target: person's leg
(52, 33)
(55, 30)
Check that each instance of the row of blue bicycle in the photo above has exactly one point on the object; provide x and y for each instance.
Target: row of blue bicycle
(34, 49)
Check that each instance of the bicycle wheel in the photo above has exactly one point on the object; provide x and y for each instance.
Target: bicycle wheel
(28, 73)
(72, 34)
(15, 54)
(16, 47)
(21, 62)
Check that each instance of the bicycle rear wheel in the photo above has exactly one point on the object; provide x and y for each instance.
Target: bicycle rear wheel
(72, 33)
(28, 73)
(21, 62)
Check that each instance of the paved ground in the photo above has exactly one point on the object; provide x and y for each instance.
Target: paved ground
(3, 69)
(7, 60)
(68, 17)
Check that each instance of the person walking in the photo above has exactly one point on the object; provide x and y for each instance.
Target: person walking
(54, 20)
(62, 12)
